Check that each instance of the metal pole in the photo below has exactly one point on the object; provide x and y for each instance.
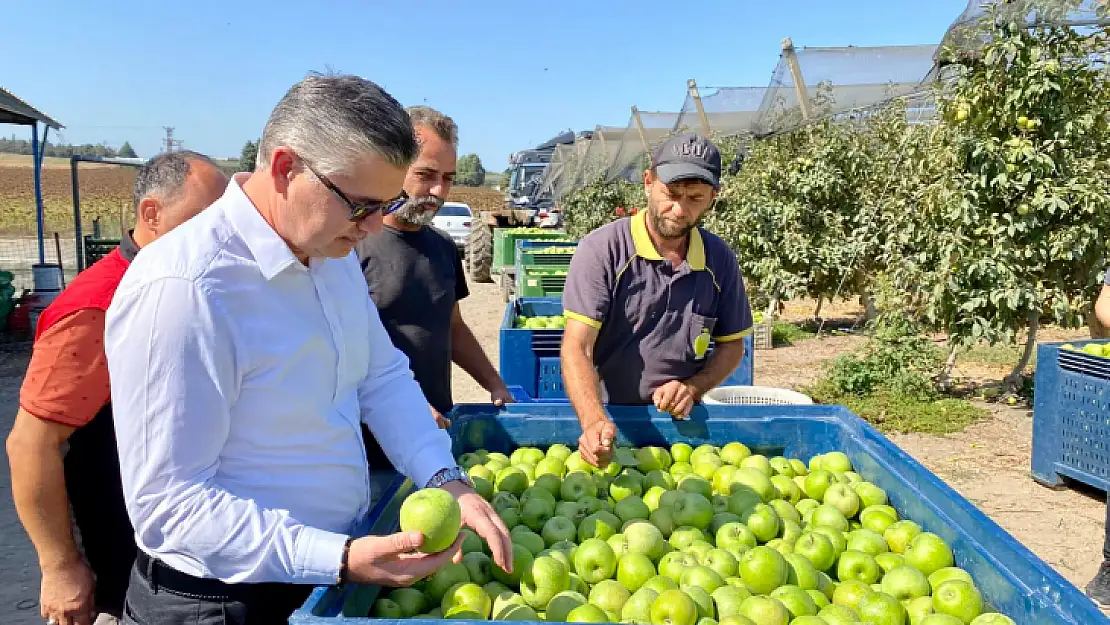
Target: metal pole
(36, 165)
(692, 87)
(796, 75)
(73, 160)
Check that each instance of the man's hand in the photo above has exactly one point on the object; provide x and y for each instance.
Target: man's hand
(483, 519)
(442, 421)
(596, 442)
(67, 594)
(676, 398)
(501, 396)
(393, 560)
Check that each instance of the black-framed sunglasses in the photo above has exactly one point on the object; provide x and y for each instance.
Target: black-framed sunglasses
(361, 211)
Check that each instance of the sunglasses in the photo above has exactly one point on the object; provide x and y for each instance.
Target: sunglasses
(360, 210)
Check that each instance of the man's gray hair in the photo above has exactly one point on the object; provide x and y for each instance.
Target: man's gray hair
(439, 123)
(331, 120)
(163, 176)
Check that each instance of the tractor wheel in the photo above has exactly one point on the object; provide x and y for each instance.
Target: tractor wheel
(479, 252)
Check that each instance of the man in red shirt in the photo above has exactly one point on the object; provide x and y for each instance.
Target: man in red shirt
(65, 399)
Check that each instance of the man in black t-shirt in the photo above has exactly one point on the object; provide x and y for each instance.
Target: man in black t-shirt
(416, 279)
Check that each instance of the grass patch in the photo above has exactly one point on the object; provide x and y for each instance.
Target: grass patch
(789, 333)
(1002, 355)
(890, 412)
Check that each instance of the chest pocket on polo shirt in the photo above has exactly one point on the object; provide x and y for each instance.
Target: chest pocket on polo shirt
(699, 332)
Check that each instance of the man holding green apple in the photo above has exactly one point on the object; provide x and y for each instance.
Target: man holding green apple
(645, 295)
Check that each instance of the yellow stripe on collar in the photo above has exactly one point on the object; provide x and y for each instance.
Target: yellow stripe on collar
(695, 254)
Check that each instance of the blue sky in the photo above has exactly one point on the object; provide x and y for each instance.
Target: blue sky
(511, 73)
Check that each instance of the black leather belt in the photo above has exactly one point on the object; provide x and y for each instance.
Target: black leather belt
(162, 577)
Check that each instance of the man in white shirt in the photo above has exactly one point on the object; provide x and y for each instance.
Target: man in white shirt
(244, 351)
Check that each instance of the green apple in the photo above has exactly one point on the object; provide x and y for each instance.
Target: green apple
(959, 599)
(720, 504)
(831, 517)
(928, 553)
(837, 537)
(577, 584)
(685, 536)
(505, 501)
(992, 618)
(510, 516)
(786, 488)
(869, 494)
(758, 462)
(558, 528)
(632, 508)
(561, 556)
(736, 536)
(599, 525)
(756, 481)
(843, 498)
(704, 601)
(674, 607)
(699, 549)
(637, 609)
(899, 535)
(818, 549)
(724, 563)
(387, 608)
(679, 469)
(705, 449)
(849, 593)
(588, 613)
(693, 510)
(522, 559)
(572, 510)
(495, 589)
(868, 542)
(663, 518)
(471, 542)
(516, 613)
(536, 512)
(660, 583)
(819, 598)
(470, 459)
(576, 463)
(743, 500)
(594, 560)
(547, 577)
(528, 539)
(838, 615)
(674, 563)
(562, 604)
(939, 619)
(825, 584)
(905, 582)
(681, 452)
(806, 506)
(696, 485)
(809, 620)
(701, 577)
(653, 497)
(467, 596)
(436, 514)
(763, 569)
(889, 561)
(797, 601)
(856, 565)
(791, 530)
(782, 467)
(669, 498)
(410, 600)
(647, 539)
(728, 600)
(443, 579)
(735, 453)
(558, 450)
(659, 478)
(653, 459)
(882, 609)
(619, 544)
(625, 485)
(478, 566)
(610, 596)
(525, 455)
(722, 479)
(917, 609)
(876, 520)
(803, 573)
(940, 576)
(495, 465)
(836, 462)
(707, 466)
(764, 522)
(577, 486)
(765, 611)
(551, 484)
(566, 546)
(511, 479)
(817, 483)
(634, 570)
(798, 466)
(780, 546)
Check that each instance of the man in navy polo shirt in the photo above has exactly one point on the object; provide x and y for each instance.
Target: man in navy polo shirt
(645, 295)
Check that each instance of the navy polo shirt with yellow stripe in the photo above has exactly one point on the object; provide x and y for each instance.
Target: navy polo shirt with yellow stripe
(654, 320)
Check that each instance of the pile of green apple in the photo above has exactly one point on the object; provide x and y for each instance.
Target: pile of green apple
(554, 249)
(757, 317)
(535, 231)
(684, 536)
(541, 271)
(553, 322)
(1101, 350)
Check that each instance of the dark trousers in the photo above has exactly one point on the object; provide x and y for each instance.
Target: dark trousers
(158, 595)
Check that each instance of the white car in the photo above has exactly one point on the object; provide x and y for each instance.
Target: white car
(455, 218)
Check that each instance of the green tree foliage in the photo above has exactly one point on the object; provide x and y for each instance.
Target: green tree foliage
(248, 156)
(469, 171)
(126, 151)
(59, 150)
(599, 203)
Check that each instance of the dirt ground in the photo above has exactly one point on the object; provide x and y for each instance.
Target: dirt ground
(988, 463)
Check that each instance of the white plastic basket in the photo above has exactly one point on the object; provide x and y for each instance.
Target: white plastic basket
(754, 396)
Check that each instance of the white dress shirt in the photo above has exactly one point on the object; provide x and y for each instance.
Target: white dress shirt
(239, 377)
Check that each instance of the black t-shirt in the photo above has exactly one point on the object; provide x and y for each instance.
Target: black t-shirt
(415, 279)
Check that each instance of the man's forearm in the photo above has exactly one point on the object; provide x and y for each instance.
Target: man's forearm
(39, 491)
(467, 353)
(726, 357)
(581, 382)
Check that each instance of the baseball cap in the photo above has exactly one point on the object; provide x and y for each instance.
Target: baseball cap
(688, 156)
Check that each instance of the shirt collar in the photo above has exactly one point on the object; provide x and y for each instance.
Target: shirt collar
(269, 250)
(695, 254)
(127, 246)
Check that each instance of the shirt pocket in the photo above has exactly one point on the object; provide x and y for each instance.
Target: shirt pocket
(698, 335)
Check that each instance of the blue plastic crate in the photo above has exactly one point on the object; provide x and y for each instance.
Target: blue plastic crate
(1012, 579)
(529, 359)
(1071, 417)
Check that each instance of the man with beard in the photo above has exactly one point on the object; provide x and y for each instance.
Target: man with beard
(416, 277)
(644, 296)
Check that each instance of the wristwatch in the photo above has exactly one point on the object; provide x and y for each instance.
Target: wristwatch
(451, 474)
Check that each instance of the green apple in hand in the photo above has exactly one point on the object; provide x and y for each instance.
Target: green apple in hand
(436, 514)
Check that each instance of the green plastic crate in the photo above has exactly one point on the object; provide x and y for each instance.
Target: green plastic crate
(536, 282)
(504, 244)
(540, 258)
